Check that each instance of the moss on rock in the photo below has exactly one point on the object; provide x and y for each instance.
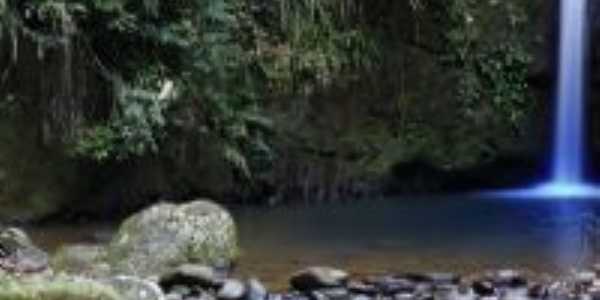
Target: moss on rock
(60, 289)
(167, 235)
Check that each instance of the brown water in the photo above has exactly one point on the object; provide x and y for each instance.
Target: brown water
(464, 235)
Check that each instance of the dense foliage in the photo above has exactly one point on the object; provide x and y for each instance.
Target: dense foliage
(280, 89)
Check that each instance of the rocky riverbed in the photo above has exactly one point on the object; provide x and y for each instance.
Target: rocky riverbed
(190, 252)
(203, 282)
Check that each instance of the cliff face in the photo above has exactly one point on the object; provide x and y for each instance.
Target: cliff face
(400, 124)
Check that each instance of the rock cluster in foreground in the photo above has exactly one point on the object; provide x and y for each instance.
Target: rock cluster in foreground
(184, 252)
(201, 282)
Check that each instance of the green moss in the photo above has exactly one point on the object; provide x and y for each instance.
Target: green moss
(55, 290)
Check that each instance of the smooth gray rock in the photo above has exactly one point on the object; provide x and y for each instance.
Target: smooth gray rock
(318, 277)
(585, 277)
(232, 289)
(256, 290)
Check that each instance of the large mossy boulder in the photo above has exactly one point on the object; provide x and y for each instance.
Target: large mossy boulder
(168, 235)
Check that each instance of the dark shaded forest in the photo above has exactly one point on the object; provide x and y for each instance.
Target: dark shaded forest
(109, 105)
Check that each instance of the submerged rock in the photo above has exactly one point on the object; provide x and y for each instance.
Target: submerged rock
(167, 235)
(318, 277)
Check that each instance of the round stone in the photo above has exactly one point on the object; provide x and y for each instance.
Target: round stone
(318, 277)
(232, 289)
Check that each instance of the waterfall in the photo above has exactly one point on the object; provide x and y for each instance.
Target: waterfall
(568, 156)
(569, 149)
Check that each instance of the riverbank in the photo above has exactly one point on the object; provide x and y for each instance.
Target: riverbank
(193, 282)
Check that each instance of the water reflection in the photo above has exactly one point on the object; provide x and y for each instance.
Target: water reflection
(445, 234)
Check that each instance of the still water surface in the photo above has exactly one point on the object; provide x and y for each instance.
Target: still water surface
(459, 234)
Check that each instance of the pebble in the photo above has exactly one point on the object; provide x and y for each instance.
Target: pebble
(318, 277)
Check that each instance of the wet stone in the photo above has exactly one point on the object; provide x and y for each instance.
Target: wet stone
(424, 288)
(446, 292)
(335, 293)
(232, 289)
(594, 294)
(490, 298)
(180, 290)
(483, 288)
(293, 296)
(256, 290)
(360, 297)
(405, 296)
(538, 291)
(318, 277)
(358, 287)
(173, 296)
(190, 274)
(585, 277)
(389, 285)
(317, 295)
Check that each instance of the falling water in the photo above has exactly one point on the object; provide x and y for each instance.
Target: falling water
(569, 133)
(567, 179)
